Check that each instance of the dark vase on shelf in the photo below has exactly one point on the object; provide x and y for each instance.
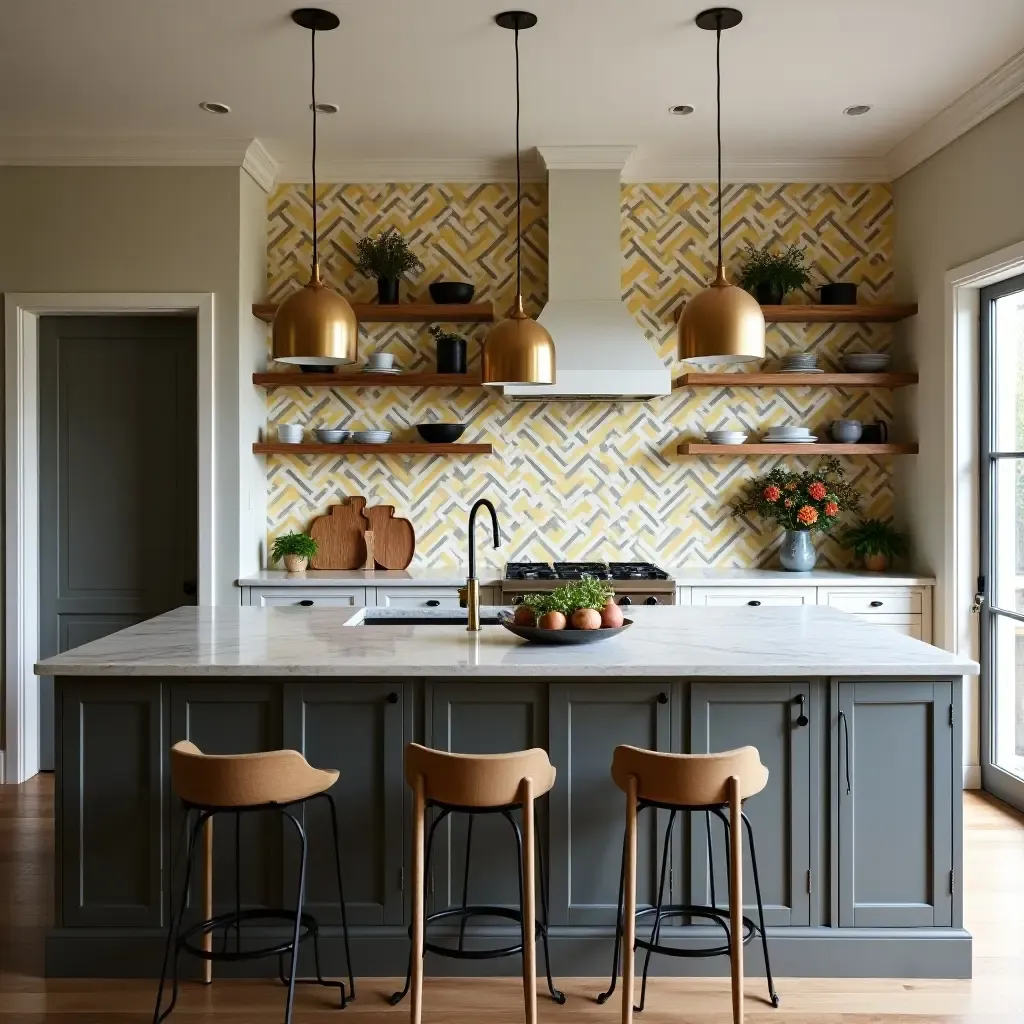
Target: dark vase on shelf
(387, 291)
(451, 355)
(839, 294)
(768, 294)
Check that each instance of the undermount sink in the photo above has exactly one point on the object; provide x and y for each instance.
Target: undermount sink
(408, 620)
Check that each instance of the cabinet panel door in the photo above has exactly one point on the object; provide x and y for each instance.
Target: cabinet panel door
(359, 727)
(234, 718)
(418, 597)
(111, 804)
(309, 597)
(588, 811)
(488, 718)
(763, 715)
(895, 823)
(770, 597)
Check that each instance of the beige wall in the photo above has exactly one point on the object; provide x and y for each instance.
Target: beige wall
(962, 204)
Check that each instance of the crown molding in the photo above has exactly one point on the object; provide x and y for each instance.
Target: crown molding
(260, 165)
(992, 93)
(123, 151)
(402, 170)
(585, 158)
(742, 172)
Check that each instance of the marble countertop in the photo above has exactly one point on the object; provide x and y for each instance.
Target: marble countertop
(665, 642)
(455, 576)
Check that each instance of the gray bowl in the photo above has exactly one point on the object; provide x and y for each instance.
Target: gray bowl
(536, 635)
(331, 435)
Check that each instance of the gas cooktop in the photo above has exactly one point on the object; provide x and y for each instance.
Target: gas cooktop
(621, 571)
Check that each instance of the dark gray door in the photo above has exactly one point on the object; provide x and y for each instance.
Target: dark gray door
(117, 479)
(763, 715)
(896, 820)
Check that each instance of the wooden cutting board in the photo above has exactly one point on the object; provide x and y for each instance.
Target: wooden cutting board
(394, 540)
(340, 536)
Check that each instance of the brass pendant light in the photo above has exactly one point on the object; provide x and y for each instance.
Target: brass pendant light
(518, 350)
(723, 324)
(315, 327)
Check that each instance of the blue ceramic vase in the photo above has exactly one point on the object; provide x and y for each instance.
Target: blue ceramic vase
(797, 552)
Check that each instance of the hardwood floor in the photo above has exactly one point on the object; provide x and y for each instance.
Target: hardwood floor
(994, 914)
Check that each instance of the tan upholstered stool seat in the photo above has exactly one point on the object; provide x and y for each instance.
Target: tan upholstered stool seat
(245, 780)
(478, 780)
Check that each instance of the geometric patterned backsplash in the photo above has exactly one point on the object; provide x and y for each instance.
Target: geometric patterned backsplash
(577, 479)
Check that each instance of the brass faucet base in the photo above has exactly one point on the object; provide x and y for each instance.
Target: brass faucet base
(473, 605)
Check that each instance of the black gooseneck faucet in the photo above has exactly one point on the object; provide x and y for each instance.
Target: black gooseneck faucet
(473, 584)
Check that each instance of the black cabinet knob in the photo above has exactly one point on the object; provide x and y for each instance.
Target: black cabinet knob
(433, 603)
(308, 603)
(662, 698)
(392, 698)
(651, 600)
(876, 604)
(754, 604)
(624, 601)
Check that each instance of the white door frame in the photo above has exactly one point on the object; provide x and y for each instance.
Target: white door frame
(21, 475)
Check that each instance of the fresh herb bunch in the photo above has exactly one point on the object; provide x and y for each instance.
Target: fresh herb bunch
(440, 334)
(570, 597)
(386, 257)
(874, 537)
(785, 270)
(809, 500)
(293, 544)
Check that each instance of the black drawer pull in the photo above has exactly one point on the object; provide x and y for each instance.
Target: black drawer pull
(433, 603)
(308, 603)
(802, 720)
(876, 604)
(392, 698)
(754, 604)
(662, 698)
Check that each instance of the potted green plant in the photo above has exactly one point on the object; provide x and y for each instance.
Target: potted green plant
(769, 275)
(451, 351)
(801, 503)
(386, 257)
(876, 542)
(296, 549)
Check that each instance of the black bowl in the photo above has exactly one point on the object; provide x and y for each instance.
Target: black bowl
(536, 635)
(841, 293)
(451, 292)
(441, 433)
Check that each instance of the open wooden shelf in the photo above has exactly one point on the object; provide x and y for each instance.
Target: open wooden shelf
(792, 380)
(705, 448)
(391, 448)
(798, 313)
(366, 380)
(405, 312)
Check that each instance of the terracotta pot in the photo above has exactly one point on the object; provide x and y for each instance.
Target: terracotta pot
(876, 563)
(296, 563)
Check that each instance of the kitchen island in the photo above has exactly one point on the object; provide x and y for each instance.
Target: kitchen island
(859, 830)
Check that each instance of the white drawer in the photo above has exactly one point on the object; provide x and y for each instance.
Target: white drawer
(419, 597)
(309, 597)
(769, 597)
(908, 625)
(874, 600)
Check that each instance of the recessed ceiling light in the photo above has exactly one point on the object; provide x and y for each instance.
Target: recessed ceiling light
(212, 107)
(857, 109)
(682, 109)
(325, 108)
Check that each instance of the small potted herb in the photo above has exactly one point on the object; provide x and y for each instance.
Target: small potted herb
(386, 257)
(768, 275)
(875, 542)
(296, 549)
(451, 351)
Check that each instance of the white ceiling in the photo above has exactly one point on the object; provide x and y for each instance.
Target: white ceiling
(432, 80)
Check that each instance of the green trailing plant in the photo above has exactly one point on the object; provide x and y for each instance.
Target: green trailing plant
(785, 271)
(440, 334)
(813, 499)
(570, 597)
(874, 537)
(294, 544)
(386, 257)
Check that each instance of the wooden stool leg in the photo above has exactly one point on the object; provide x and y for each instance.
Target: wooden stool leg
(629, 905)
(736, 897)
(208, 896)
(416, 953)
(529, 907)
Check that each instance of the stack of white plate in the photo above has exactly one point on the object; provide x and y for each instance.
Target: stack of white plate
(789, 435)
(726, 436)
(866, 362)
(371, 436)
(800, 362)
(389, 371)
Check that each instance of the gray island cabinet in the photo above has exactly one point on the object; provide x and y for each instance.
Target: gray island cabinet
(858, 831)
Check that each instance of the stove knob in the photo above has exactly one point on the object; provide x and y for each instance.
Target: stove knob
(651, 600)
(624, 601)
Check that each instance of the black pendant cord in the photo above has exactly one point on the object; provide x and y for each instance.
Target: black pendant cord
(519, 193)
(718, 125)
(312, 90)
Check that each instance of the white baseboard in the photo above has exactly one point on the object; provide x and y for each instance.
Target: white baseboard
(972, 776)
(3, 778)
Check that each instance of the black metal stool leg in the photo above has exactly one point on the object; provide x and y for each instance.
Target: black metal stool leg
(465, 879)
(238, 885)
(656, 930)
(289, 1002)
(604, 996)
(341, 900)
(556, 994)
(760, 913)
(711, 857)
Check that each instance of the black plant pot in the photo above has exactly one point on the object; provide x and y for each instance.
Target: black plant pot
(387, 291)
(768, 294)
(451, 355)
(840, 294)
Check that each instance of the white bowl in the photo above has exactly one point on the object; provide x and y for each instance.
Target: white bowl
(381, 360)
(331, 435)
(729, 437)
(788, 431)
(371, 436)
(289, 433)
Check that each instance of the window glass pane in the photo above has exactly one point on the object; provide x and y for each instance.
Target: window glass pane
(1007, 525)
(1008, 377)
(1008, 677)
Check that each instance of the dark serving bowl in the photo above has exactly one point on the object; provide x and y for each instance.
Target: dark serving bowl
(536, 635)
(452, 292)
(441, 433)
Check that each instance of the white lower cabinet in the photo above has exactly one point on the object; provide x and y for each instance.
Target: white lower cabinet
(399, 598)
(307, 597)
(418, 597)
(754, 597)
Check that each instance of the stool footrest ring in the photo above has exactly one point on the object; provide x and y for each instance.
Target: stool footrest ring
(464, 914)
(720, 917)
(230, 920)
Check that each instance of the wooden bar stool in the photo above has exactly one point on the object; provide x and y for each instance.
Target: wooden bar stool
(688, 782)
(210, 784)
(476, 784)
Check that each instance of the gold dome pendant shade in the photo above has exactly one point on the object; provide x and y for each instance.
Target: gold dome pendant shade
(518, 350)
(315, 326)
(723, 324)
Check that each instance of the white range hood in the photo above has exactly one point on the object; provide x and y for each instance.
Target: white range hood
(600, 350)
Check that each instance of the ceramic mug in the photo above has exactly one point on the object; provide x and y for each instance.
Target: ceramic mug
(875, 433)
(847, 431)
